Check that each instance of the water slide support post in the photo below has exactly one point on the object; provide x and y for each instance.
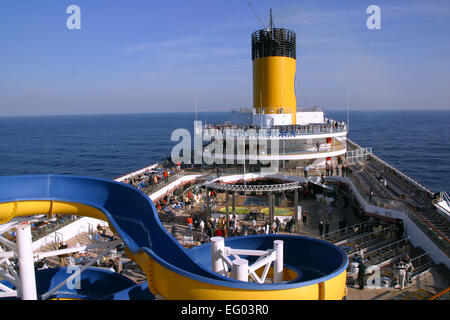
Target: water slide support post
(239, 270)
(217, 246)
(24, 245)
(278, 264)
(227, 200)
(296, 210)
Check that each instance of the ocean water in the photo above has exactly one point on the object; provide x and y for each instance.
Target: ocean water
(107, 146)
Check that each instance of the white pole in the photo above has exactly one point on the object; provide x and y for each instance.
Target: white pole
(26, 263)
(348, 107)
(217, 246)
(278, 264)
(239, 270)
(195, 105)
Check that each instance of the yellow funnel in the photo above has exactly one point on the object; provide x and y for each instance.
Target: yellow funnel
(274, 68)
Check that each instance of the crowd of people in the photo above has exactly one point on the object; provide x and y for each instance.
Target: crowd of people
(170, 204)
(280, 130)
(151, 177)
(403, 270)
(204, 229)
(217, 227)
(336, 169)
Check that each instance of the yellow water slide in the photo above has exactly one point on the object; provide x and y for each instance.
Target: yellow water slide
(314, 269)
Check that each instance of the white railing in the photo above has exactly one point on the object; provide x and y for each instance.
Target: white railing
(240, 270)
(442, 204)
(443, 196)
(409, 179)
(360, 153)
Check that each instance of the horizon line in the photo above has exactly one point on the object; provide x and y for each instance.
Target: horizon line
(193, 112)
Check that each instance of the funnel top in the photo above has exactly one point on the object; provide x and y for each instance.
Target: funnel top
(273, 42)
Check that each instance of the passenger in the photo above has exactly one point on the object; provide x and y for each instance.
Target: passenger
(209, 230)
(361, 275)
(291, 225)
(117, 265)
(400, 268)
(327, 226)
(218, 233)
(244, 229)
(189, 222)
(267, 227)
(321, 224)
(274, 227)
(304, 217)
(63, 257)
(196, 222)
(409, 269)
(202, 226)
(344, 170)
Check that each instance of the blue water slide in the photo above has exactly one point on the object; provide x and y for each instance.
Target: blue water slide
(133, 216)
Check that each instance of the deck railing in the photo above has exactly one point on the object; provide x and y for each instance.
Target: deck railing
(275, 132)
(399, 173)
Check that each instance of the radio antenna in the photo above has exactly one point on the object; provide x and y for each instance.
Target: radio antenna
(256, 15)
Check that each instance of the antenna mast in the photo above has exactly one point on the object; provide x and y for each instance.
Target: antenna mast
(254, 12)
(271, 20)
(348, 115)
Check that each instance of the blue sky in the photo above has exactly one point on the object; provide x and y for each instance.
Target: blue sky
(154, 56)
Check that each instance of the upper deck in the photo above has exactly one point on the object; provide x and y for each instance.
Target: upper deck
(330, 128)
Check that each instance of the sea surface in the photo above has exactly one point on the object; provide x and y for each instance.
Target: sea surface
(107, 146)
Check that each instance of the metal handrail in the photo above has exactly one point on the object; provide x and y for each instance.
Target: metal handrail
(443, 196)
(59, 239)
(378, 159)
(267, 188)
(420, 221)
(434, 234)
(276, 132)
(340, 234)
(51, 228)
(368, 235)
(390, 245)
(163, 183)
(440, 294)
